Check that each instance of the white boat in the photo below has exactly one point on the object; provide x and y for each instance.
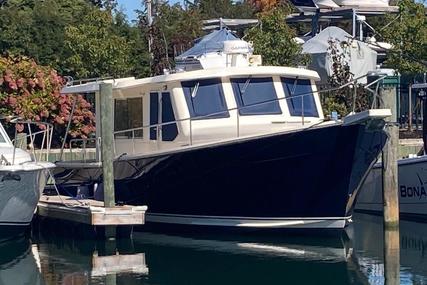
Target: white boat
(363, 3)
(312, 5)
(412, 189)
(412, 183)
(240, 145)
(22, 180)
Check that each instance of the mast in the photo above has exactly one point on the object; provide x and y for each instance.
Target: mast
(150, 35)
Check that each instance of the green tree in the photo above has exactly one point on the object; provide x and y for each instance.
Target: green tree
(138, 44)
(95, 50)
(173, 31)
(408, 36)
(224, 9)
(36, 28)
(274, 39)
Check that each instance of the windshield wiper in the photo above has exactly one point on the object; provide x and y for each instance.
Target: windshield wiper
(243, 90)
(196, 88)
(294, 87)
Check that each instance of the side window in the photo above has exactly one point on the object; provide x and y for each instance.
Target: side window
(255, 96)
(154, 114)
(205, 98)
(300, 97)
(120, 117)
(135, 115)
(169, 131)
(128, 115)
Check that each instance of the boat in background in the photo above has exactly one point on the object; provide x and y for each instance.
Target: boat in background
(311, 5)
(22, 180)
(235, 146)
(412, 181)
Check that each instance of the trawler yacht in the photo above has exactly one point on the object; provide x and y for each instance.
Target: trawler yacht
(238, 145)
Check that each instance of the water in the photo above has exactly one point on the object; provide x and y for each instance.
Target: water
(354, 257)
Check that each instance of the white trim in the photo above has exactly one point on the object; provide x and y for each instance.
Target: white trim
(124, 83)
(250, 222)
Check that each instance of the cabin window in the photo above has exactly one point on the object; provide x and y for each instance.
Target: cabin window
(168, 131)
(205, 98)
(128, 115)
(154, 114)
(294, 90)
(255, 96)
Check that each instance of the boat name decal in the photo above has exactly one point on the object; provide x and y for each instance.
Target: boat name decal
(414, 191)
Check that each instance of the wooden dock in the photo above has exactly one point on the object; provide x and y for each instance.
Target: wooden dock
(90, 212)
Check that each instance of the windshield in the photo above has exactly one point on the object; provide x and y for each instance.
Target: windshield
(205, 98)
(255, 96)
(301, 99)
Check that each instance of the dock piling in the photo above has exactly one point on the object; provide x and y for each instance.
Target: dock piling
(107, 150)
(107, 142)
(390, 178)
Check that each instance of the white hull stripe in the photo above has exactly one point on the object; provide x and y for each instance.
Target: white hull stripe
(249, 222)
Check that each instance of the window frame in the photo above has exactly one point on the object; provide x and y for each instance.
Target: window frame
(293, 112)
(245, 110)
(137, 134)
(190, 102)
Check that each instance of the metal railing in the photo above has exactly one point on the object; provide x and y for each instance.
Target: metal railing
(84, 142)
(46, 140)
(158, 127)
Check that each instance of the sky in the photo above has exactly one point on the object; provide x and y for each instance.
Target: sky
(130, 5)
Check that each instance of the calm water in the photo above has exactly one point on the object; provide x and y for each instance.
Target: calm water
(355, 257)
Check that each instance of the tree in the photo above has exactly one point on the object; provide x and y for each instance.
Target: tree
(408, 36)
(94, 49)
(32, 92)
(343, 101)
(36, 28)
(224, 9)
(274, 39)
(173, 31)
(264, 5)
(50, 30)
(139, 56)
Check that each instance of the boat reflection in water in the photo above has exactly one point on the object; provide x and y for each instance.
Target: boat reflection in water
(236, 259)
(353, 257)
(367, 235)
(18, 265)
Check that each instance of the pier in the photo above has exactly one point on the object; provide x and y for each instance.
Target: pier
(104, 215)
(89, 212)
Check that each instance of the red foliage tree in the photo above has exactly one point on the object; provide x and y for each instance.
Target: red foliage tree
(32, 92)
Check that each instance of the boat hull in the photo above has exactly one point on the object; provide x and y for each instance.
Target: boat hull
(19, 194)
(304, 179)
(412, 181)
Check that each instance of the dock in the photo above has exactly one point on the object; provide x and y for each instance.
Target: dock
(99, 217)
(90, 212)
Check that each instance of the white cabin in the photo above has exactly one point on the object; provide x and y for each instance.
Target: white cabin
(200, 107)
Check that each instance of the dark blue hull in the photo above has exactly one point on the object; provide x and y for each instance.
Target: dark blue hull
(303, 179)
